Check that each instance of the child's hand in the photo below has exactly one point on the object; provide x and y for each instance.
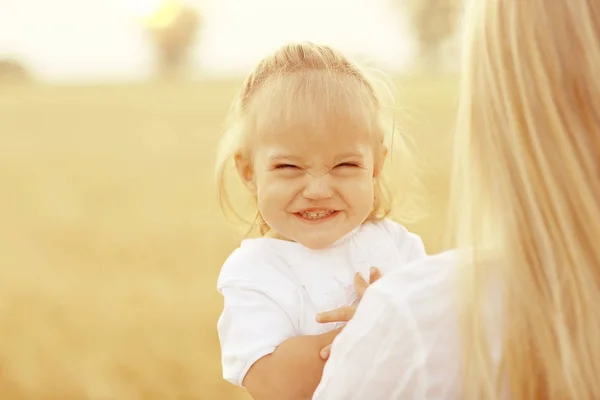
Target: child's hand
(345, 314)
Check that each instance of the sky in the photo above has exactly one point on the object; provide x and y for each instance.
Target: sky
(103, 40)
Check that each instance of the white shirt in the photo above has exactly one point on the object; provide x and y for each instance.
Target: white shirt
(403, 341)
(273, 289)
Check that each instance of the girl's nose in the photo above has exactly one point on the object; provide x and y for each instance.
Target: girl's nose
(318, 188)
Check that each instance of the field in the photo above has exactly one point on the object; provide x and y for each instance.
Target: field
(111, 238)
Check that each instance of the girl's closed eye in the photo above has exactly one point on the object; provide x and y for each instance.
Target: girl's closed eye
(287, 170)
(285, 166)
(348, 169)
(349, 165)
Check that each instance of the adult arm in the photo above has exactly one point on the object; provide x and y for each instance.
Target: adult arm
(377, 356)
(403, 342)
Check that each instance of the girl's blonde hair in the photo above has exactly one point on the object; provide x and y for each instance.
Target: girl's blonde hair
(307, 87)
(527, 184)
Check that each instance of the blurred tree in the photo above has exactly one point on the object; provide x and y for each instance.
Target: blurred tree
(173, 30)
(12, 71)
(435, 24)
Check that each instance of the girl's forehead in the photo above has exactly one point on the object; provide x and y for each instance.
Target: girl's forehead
(311, 140)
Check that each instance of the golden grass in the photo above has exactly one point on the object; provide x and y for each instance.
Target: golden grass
(111, 239)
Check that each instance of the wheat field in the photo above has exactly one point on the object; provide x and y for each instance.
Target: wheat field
(111, 238)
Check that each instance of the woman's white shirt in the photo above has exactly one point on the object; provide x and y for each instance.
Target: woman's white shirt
(403, 342)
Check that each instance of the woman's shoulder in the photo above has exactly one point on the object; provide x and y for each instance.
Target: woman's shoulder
(409, 321)
(438, 265)
(427, 282)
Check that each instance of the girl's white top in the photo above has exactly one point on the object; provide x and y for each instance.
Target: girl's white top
(403, 340)
(273, 288)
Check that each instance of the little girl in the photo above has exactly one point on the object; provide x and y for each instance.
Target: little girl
(307, 140)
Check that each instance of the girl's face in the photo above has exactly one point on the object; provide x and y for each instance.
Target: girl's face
(313, 188)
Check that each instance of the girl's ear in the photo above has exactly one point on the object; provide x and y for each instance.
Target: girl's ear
(245, 171)
(380, 161)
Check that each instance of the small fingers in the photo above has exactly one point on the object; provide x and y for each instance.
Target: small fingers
(341, 314)
(374, 274)
(360, 284)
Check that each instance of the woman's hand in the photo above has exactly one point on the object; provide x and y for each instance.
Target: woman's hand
(345, 314)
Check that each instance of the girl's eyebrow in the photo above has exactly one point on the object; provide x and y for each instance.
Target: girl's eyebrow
(283, 157)
(287, 157)
(349, 155)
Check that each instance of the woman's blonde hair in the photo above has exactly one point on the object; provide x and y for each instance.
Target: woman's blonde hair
(527, 184)
(308, 87)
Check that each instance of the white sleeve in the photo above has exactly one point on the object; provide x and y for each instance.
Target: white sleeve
(404, 340)
(409, 245)
(378, 355)
(255, 319)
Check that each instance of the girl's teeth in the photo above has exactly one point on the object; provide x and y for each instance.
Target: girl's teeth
(316, 215)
